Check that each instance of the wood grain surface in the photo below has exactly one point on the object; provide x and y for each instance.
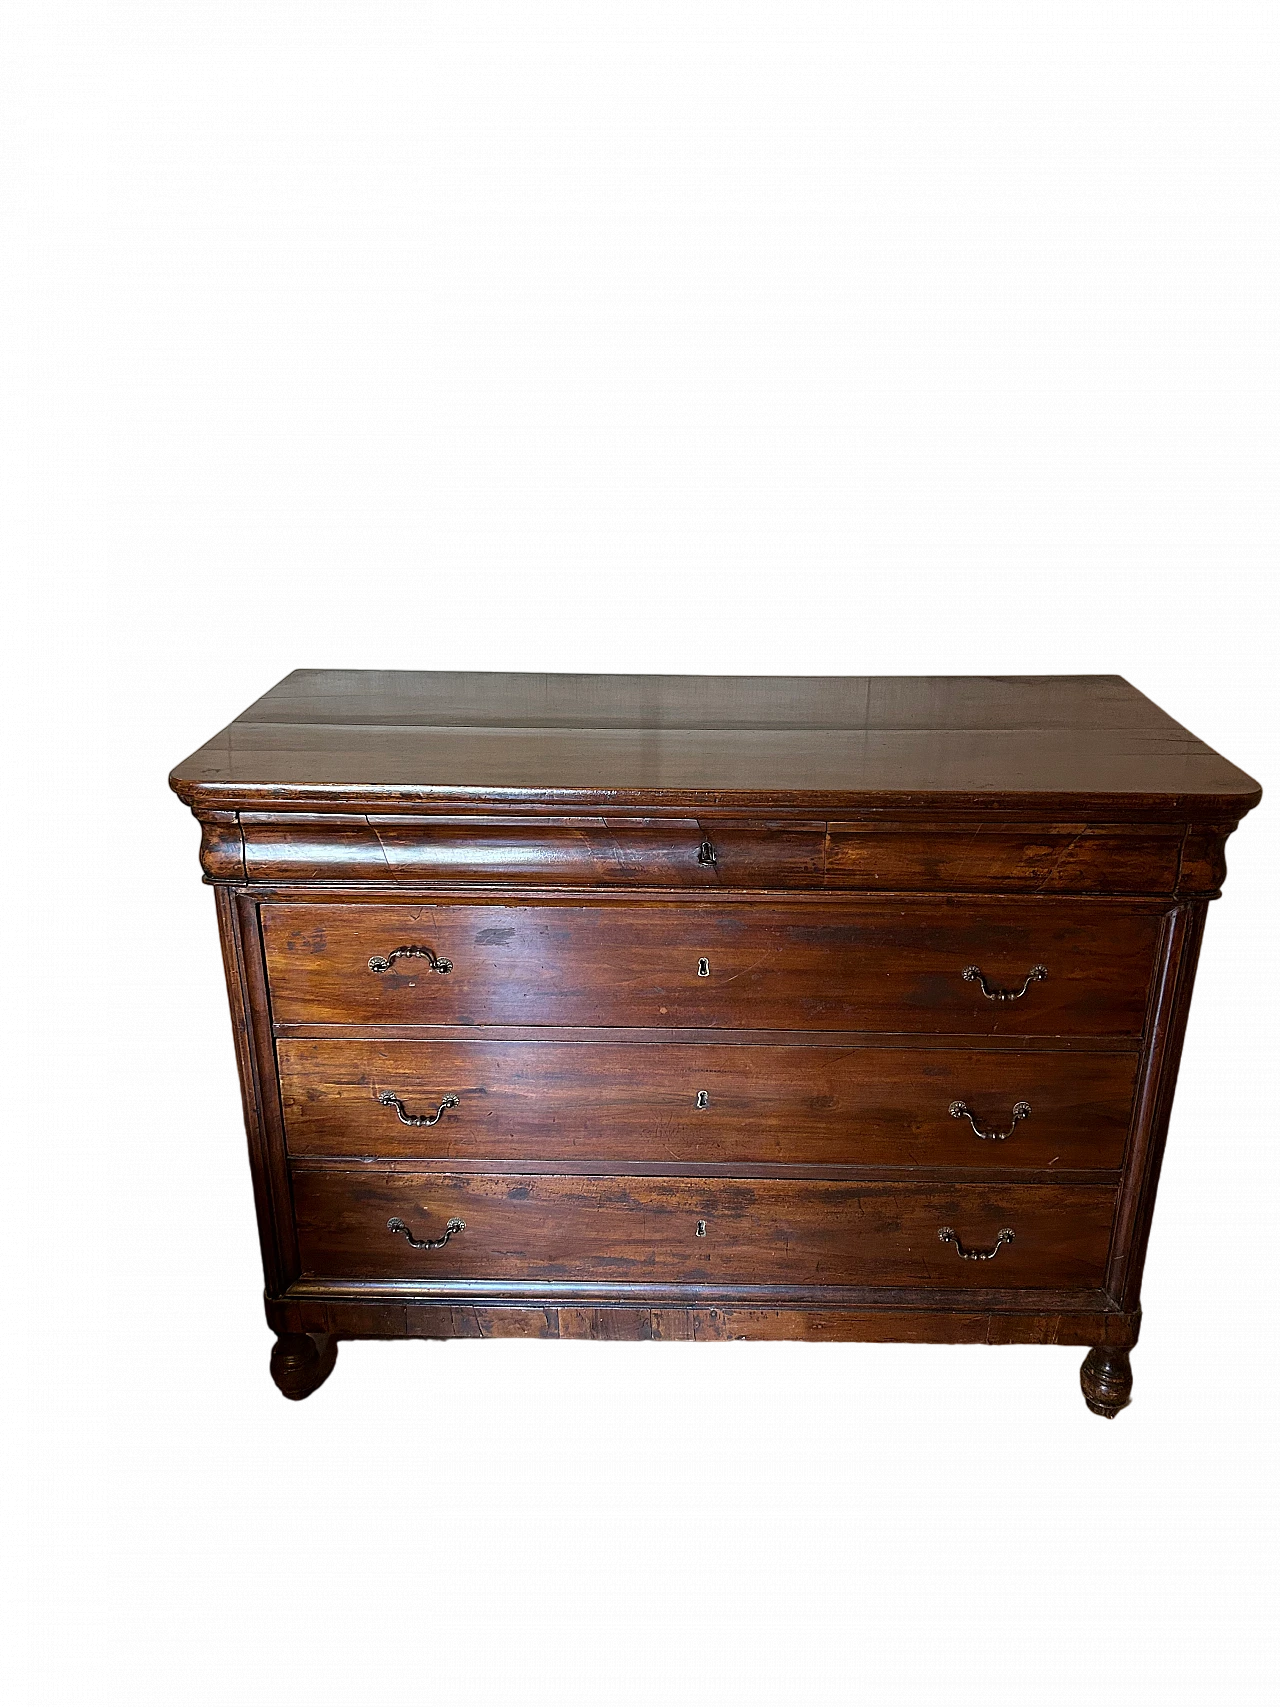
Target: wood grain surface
(1029, 743)
(963, 1319)
(690, 1068)
(761, 1232)
(707, 853)
(705, 1104)
(881, 966)
(676, 853)
(1003, 858)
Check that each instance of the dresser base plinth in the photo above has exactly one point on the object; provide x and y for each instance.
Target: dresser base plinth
(1106, 1380)
(1108, 1331)
(302, 1362)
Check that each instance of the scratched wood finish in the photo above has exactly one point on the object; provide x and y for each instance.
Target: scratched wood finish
(835, 852)
(1057, 748)
(764, 1105)
(389, 1320)
(757, 1232)
(707, 853)
(994, 857)
(677, 853)
(879, 966)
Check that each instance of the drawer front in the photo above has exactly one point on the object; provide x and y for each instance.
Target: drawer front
(674, 853)
(1100, 859)
(705, 1103)
(864, 966)
(646, 1230)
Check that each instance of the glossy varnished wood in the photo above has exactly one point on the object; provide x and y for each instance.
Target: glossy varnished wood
(1106, 1379)
(991, 856)
(620, 852)
(302, 1362)
(961, 1320)
(884, 966)
(755, 1106)
(754, 1232)
(763, 890)
(708, 853)
(255, 1059)
(1024, 743)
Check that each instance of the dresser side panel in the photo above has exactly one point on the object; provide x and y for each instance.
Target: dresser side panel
(260, 1089)
(1170, 1007)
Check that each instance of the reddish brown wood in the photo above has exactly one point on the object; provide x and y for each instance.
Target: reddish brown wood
(716, 853)
(837, 853)
(677, 853)
(1202, 865)
(765, 1105)
(753, 1232)
(1171, 1004)
(257, 1092)
(302, 1362)
(998, 1043)
(881, 965)
(373, 1294)
(270, 1159)
(222, 847)
(960, 1324)
(990, 856)
(1057, 748)
(1106, 1379)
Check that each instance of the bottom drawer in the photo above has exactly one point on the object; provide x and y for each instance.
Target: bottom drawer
(668, 1231)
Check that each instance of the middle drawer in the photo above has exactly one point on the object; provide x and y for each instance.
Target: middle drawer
(706, 1103)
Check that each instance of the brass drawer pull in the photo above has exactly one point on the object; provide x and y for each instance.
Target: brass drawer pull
(706, 854)
(389, 1101)
(384, 963)
(948, 1237)
(961, 1111)
(993, 995)
(396, 1225)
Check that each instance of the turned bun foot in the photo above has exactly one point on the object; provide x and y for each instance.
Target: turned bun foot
(301, 1362)
(1106, 1380)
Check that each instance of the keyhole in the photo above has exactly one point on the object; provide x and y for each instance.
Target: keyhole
(700, 1231)
(704, 969)
(701, 1100)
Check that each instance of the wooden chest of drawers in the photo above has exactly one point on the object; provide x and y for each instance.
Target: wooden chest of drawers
(681, 1007)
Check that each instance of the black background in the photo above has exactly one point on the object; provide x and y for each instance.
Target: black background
(1205, 666)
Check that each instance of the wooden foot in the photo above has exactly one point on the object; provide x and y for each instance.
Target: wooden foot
(301, 1362)
(1106, 1380)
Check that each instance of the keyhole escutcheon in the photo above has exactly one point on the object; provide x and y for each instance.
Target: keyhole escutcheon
(702, 1100)
(704, 969)
(700, 1231)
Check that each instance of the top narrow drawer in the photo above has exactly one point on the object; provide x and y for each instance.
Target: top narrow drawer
(709, 854)
(580, 852)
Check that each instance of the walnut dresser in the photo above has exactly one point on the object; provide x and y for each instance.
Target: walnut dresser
(662, 1007)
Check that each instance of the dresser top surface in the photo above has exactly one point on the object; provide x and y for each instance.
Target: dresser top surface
(373, 739)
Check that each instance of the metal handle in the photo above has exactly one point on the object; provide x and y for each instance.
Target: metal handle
(949, 1237)
(992, 994)
(396, 1225)
(961, 1111)
(706, 854)
(384, 963)
(389, 1101)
